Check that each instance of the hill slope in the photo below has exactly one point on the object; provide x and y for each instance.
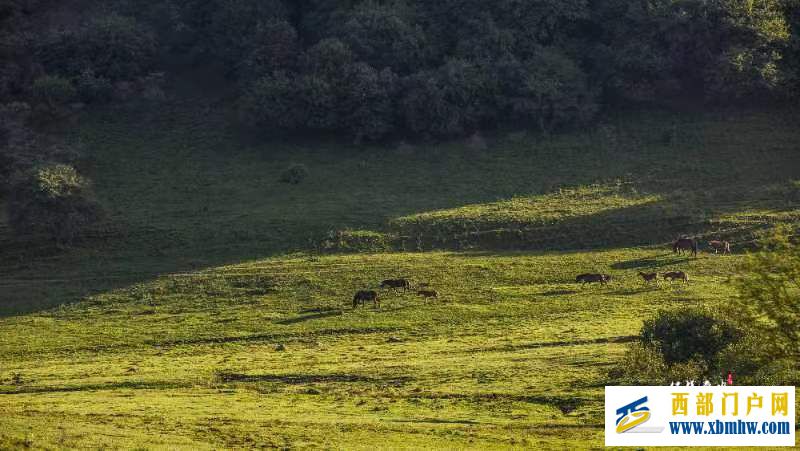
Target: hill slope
(212, 311)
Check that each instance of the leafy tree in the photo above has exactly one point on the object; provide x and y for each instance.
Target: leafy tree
(368, 103)
(641, 365)
(13, 48)
(274, 46)
(686, 334)
(53, 92)
(768, 304)
(790, 63)
(237, 28)
(548, 90)
(274, 100)
(331, 92)
(327, 58)
(450, 101)
(113, 47)
(92, 88)
(54, 200)
(384, 35)
(540, 22)
(486, 40)
(719, 48)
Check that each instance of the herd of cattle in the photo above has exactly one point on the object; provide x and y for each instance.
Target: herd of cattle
(679, 247)
(364, 296)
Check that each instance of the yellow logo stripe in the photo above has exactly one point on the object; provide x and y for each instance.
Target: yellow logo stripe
(636, 418)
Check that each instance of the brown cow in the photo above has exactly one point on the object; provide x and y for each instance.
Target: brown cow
(428, 293)
(396, 283)
(685, 244)
(723, 246)
(649, 277)
(591, 278)
(366, 295)
(672, 275)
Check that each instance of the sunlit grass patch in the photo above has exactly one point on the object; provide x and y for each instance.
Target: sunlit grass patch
(542, 209)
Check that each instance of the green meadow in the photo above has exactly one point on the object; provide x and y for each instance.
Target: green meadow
(213, 307)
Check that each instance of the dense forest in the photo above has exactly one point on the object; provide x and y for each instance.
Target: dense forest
(375, 70)
(434, 69)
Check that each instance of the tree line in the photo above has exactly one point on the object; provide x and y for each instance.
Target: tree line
(372, 68)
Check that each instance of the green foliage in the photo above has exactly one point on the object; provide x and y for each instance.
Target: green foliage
(393, 60)
(92, 88)
(328, 59)
(342, 241)
(685, 335)
(238, 28)
(545, 64)
(367, 106)
(274, 46)
(769, 296)
(641, 365)
(53, 91)
(755, 362)
(450, 101)
(723, 49)
(384, 35)
(113, 47)
(544, 22)
(332, 93)
(53, 200)
(15, 141)
(688, 344)
(549, 90)
(15, 52)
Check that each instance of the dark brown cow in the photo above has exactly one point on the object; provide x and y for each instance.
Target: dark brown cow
(673, 275)
(396, 283)
(649, 277)
(366, 295)
(428, 293)
(591, 278)
(685, 244)
(723, 246)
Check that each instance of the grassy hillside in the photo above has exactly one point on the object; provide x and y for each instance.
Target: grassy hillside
(212, 310)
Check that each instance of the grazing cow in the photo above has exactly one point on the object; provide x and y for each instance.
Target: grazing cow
(396, 283)
(590, 278)
(723, 246)
(649, 277)
(428, 293)
(366, 295)
(685, 244)
(672, 275)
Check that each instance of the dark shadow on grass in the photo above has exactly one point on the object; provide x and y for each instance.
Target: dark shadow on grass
(565, 403)
(218, 217)
(300, 379)
(126, 385)
(438, 421)
(548, 344)
(251, 338)
(652, 262)
(632, 291)
(310, 317)
(558, 292)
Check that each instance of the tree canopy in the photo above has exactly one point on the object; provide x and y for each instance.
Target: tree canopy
(371, 68)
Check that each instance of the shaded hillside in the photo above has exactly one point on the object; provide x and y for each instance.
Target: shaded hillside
(185, 193)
